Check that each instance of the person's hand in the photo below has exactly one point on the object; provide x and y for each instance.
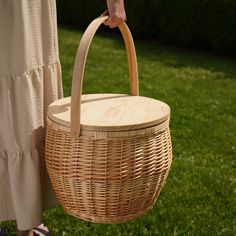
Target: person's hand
(116, 13)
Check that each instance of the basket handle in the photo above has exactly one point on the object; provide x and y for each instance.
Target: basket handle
(78, 71)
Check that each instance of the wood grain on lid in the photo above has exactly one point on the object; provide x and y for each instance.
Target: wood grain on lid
(112, 112)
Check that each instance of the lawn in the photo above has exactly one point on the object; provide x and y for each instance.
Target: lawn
(199, 197)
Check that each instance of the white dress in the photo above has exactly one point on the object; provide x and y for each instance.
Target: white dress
(30, 79)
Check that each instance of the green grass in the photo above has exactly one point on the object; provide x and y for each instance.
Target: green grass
(199, 197)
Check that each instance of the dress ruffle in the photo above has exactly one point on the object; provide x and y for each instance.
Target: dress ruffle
(24, 99)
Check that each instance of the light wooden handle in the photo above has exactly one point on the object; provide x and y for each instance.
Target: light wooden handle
(78, 72)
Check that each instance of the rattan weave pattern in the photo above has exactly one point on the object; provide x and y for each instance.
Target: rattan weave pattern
(107, 180)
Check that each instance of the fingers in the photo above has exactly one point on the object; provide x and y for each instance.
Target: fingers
(114, 21)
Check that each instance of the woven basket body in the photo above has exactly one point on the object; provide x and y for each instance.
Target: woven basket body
(105, 168)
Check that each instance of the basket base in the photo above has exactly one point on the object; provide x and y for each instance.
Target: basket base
(110, 219)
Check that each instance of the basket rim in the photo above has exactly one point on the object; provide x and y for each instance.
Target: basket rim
(112, 134)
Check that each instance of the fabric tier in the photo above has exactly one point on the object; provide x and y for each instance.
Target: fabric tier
(24, 99)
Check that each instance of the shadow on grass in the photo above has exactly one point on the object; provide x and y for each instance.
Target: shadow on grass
(173, 57)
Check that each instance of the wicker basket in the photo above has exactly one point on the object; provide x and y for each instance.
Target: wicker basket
(107, 155)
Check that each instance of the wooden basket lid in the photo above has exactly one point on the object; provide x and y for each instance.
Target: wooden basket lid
(111, 112)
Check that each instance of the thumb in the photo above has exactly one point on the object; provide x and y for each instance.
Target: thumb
(105, 13)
